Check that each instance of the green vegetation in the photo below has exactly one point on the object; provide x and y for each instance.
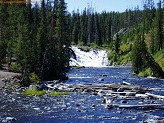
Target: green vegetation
(159, 57)
(34, 78)
(54, 93)
(37, 37)
(30, 92)
(146, 73)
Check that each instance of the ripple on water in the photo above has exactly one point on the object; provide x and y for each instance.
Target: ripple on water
(81, 107)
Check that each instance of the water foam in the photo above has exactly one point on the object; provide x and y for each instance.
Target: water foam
(92, 58)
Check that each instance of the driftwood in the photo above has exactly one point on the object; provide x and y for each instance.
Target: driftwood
(114, 91)
(143, 106)
(155, 96)
(110, 88)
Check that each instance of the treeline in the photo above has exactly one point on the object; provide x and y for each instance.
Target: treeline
(102, 28)
(89, 27)
(134, 35)
(34, 40)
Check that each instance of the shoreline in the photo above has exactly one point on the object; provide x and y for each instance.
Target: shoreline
(8, 79)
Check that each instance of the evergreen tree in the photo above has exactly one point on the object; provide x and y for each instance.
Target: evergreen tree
(3, 30)
(98, 38)
(159, 23)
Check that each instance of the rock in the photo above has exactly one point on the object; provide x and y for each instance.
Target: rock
(160, 121)
(109, 106)
(120, 89)
(124, 101)
(32, 87)
(104, 75)
(77, 105)
(100, 79)
(119, 112)
(64, 109)
(93, 106)
(8, 119)
(88, 90)
(42, 87)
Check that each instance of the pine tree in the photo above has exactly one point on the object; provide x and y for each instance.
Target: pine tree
(98, 38)
(159, 23)
(42, 33)
(3, 28)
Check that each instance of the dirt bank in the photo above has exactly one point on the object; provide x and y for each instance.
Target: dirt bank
(8, 78)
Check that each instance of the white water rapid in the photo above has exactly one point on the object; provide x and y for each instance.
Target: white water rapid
(92, 58)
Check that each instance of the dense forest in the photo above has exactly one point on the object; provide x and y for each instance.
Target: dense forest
(35, 39)
(134, 36)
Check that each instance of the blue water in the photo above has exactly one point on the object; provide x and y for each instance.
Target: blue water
(81, 107)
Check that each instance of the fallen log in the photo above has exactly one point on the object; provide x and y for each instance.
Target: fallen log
(125, 93)
(143, 106)
(141, 96)
(155, 96)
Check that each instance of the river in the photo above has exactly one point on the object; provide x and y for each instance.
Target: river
(82, 107)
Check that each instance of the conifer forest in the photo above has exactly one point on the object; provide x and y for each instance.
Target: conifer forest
(36, 38)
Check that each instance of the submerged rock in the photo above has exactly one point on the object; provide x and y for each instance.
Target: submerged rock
(124, 101)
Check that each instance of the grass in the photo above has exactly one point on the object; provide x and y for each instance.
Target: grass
(159, 57)
(29, 92)
(54, 93)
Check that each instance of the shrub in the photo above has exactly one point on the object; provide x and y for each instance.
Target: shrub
(146, 73)
(34, 78)
(15, 67)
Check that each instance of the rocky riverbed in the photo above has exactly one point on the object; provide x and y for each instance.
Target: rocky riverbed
(98, 101)
(124, 95)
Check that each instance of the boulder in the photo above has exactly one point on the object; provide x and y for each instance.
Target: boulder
(8, 119)
(160, 121)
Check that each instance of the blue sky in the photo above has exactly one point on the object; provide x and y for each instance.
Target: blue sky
(101, 5)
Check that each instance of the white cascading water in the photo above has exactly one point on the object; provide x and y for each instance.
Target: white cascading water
(93, 58)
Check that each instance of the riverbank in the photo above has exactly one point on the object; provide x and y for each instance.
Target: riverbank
(8, 79)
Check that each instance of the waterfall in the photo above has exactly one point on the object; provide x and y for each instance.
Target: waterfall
(91, 58)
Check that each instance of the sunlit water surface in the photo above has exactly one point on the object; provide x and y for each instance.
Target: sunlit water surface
(81, 107)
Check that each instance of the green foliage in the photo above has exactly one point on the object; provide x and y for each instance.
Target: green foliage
(53, 93)
(80, 43)
(95, 46)
(136, 55)
(159, 57)
(39, 36)
(84, 48)
(15, 68)
(125, 48)
(111, 57)
(146, 72)
(30, 92)
(124, 59)
(34, 78)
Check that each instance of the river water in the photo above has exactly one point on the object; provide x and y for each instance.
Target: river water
(81, 107)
